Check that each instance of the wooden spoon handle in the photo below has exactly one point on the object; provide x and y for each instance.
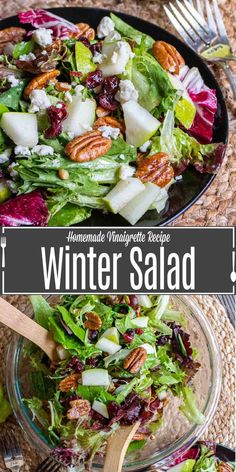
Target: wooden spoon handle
(22, 324)
(117, 446)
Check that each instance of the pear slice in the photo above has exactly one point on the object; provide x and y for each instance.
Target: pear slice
(108, 346)
(112, 334)
(100, 408)
(81, 115)
(95, 377)
(140, 125)
(22, 128)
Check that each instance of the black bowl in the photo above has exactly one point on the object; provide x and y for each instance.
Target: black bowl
(186, 192)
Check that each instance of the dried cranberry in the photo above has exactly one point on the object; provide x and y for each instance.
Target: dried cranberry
(110, 85)
(139, 331)
(94, 361)
(85, 41)
(74, 73)
(56, 115)
(129, 335)
(92, 334)
(108, 102)
(94, 79)
(76, 364)
(96, 47)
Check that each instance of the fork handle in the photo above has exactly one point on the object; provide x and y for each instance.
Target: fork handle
(230, 76)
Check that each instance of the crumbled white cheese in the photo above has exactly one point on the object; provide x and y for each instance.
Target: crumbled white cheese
(59, 105)
(13, 81)
(178, 177)
(27, 57)
(122, 50)
(43, 150)
(145, 146)
(126, 92)
(78, 89)
(13, 173)
(8, 49)
(98, 58)
(12, 186)
(44, 52)
(4, 156)
(109, 132)
(68, 96)
(105, 27)
(122, 156)
(22, 151)
(55, 163)
(126, 171)
(42, 36)
(39, 100)
(112, 36)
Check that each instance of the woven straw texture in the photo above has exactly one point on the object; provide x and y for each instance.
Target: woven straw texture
(222, 428)
(217, 207)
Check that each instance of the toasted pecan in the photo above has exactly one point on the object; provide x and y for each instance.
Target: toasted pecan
(224, 467)
(13, 34)
(62, 87)
(40, 81)
(69, 382)
(135, 360)
(78, 408)
(101, 112)
(93, 321)
(139, 436)
(156, 169)
(168, 56)
(109, 121)
(88, 147)
(86, 31)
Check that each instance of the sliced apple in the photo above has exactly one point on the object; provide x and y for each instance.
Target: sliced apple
(22, 128)
(95, 377)
(100, 408)
(112, 334)
(140, 125)
(108, 346)
(81, 115)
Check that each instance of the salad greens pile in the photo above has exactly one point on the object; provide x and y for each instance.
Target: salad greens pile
(202, 457)
(94, 387)
(59, 82)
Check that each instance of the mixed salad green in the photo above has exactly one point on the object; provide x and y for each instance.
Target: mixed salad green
(61, 81)
(120, 359)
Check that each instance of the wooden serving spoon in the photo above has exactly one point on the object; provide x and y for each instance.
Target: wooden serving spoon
(22, 324)
(117, 446)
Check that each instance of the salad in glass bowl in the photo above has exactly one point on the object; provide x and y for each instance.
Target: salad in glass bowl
(120, 359)
(104, 120)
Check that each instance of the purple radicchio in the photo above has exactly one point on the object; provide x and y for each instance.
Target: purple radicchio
(43, 19)
(25, 210)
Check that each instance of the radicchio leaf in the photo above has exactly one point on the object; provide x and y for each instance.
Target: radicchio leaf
(211, 163)
(43, 19)
(24, 210)
(205, 101)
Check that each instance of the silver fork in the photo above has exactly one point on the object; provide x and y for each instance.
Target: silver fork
(3, 246)
(209, 39)
(48, 465)
(11, 452)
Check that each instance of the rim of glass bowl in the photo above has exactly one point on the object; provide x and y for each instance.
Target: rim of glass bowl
(168, 454)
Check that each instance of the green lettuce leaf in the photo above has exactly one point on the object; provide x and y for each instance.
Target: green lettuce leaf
(83, 59)
(24, 47)
(11, 98)
(136, 445)
(69, 215)
(42, 310)
(131, 33)
(36, 407)
(189, 407)
(69, 321)
(95, 393)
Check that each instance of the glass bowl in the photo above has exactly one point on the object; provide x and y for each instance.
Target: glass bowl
(176, 434)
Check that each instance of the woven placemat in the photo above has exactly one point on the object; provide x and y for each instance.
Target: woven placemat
(217, 207)
(222, 428)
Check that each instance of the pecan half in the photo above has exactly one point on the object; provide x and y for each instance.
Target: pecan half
(139, 436)
(71, 381)
(168, 56)
(86, 31)
(135, 360)
(78, 408)
(40, 81)
(101, 112)
(62, 87)
(11, 35)
(93, 321)
(88, 147)
(156, 169)
(224, 467)
(109, 121)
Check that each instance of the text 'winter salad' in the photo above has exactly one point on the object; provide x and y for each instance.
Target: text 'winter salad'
(103, 121)
(122, 359)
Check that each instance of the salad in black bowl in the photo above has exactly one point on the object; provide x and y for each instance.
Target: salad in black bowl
(110, 120)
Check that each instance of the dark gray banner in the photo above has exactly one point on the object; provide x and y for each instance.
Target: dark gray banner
(119, 260)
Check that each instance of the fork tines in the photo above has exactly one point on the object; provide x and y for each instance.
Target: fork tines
(189, 23)
(48, 465)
